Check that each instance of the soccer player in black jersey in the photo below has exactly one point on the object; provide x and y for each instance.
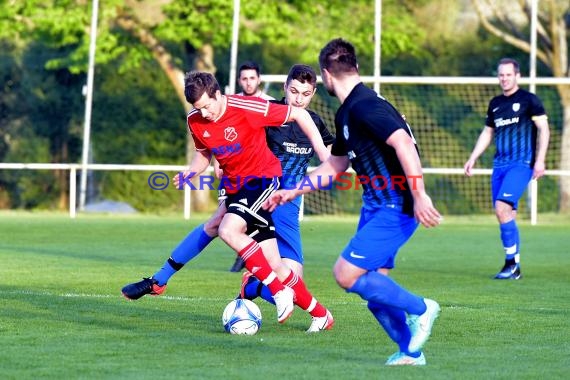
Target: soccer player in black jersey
(517, 121)
(375, 139)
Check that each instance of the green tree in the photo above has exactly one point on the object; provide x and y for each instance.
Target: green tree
(181, 34)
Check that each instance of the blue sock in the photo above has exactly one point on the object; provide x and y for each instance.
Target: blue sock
(187, 249)
(510, 237)
(255, 288)
(394, 323)
(381, 289)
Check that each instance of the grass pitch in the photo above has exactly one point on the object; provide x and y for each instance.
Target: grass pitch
(62, 314)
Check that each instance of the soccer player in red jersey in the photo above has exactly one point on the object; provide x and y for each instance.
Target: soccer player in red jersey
(249, 79)
(231, 128)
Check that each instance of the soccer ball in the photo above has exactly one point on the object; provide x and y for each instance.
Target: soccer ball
(241, 317)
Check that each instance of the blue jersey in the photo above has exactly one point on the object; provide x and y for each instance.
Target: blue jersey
(293, 148)
(364, 122)
(515, 132)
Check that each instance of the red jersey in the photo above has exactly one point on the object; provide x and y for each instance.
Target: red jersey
(237, 138)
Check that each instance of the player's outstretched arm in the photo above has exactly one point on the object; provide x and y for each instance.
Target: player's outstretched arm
(306, 123)
(199, 164)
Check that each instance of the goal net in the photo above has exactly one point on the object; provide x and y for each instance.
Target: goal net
(446, 116)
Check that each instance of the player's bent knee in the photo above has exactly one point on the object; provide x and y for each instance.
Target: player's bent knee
(342, 280)
(211, 226)
(503, 212)
(346, 274)
(211, 229)
(227, 234)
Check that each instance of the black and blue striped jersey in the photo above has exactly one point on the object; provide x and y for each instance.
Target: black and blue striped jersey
(515, 132)
(363, 123)
(293, 148)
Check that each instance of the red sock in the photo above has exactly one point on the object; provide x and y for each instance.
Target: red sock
(303, 298)
(257, 264)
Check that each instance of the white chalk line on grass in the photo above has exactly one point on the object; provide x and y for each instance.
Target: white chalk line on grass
(88, 295)
(109, 296)
(200, 299)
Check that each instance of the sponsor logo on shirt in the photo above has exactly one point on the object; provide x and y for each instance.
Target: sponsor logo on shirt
(226, 149)
(502, 122)
(230, 134)
(293, 148)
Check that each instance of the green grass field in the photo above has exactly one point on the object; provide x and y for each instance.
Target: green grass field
(62, 315)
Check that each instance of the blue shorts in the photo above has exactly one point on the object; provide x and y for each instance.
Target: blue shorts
(287, 230)
(508, 183)
(380, 234)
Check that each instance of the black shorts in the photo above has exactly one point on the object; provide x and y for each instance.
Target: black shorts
(246, 203)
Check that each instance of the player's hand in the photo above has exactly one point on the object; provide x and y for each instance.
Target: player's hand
(179, 178)
(218, 172)
(468, 166)
(425, 212)
(538, 170)
(278, 198)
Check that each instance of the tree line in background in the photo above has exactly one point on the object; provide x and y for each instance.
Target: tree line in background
(144, 47)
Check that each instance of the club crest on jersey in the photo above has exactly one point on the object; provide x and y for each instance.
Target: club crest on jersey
(516, 106)
(230, 134)
(345, 132)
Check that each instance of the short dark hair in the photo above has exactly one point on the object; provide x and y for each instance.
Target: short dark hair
(302, 73)
(338, 57)
(249, 65)
(512, 61)
(196, 83)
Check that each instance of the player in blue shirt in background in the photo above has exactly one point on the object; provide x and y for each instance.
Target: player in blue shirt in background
(514, 119)
(374, 137)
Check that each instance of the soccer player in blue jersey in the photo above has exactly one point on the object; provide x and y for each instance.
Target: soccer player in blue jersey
(375, 138)
(295, 151)
(517, 121)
